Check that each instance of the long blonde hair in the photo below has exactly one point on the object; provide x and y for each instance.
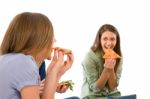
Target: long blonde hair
(28, 33)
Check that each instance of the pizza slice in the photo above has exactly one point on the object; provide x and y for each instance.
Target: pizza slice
(109, 53)
(64, 50)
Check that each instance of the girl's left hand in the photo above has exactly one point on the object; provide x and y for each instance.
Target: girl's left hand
(62, 88)
(41, 88)
(110, 63)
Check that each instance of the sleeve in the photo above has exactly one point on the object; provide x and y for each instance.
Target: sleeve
(90, 71)
(42, 70)
(119, 72)
(27, 74)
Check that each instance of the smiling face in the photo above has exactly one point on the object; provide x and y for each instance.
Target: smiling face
(108, 40)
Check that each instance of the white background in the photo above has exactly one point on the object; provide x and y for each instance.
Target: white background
(75, 25)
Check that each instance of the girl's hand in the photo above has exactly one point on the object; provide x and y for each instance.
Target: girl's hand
(61, 88)
(58, 65)
(110, 63)
(67, 64)
(42, 83)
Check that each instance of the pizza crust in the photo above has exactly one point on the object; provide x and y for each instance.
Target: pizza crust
(64, 50)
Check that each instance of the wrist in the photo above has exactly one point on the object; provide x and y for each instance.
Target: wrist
(108, 69)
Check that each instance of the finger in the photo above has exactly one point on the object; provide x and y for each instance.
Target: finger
(60, 56)
(68, 63)
(64, 88)
(41, 89)
(113, 61)
(59, 87)
(41, 85)
(109, 63)
(60, 60)
(54, 60)
(43, 81)
(70, 59)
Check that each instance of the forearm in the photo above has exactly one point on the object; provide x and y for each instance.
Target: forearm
(105, 75)
(112, 82)
(50, 86)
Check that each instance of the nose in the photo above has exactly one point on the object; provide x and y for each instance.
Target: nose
(108, 44)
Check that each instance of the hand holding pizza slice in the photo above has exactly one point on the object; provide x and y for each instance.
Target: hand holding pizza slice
(110, 58)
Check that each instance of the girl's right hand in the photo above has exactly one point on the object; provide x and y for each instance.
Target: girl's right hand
(58, 65)
(110, 63)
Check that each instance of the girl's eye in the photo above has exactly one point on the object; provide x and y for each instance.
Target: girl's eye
(112, 39)
(105, 39)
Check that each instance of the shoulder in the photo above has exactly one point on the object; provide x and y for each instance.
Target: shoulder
(18, 61)
(20, 69)
(92, 56)
(27, 59)
(26, 62)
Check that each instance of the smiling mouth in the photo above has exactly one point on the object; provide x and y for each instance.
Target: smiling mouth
(111, 47)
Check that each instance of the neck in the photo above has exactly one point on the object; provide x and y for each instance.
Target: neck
(38, 61)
